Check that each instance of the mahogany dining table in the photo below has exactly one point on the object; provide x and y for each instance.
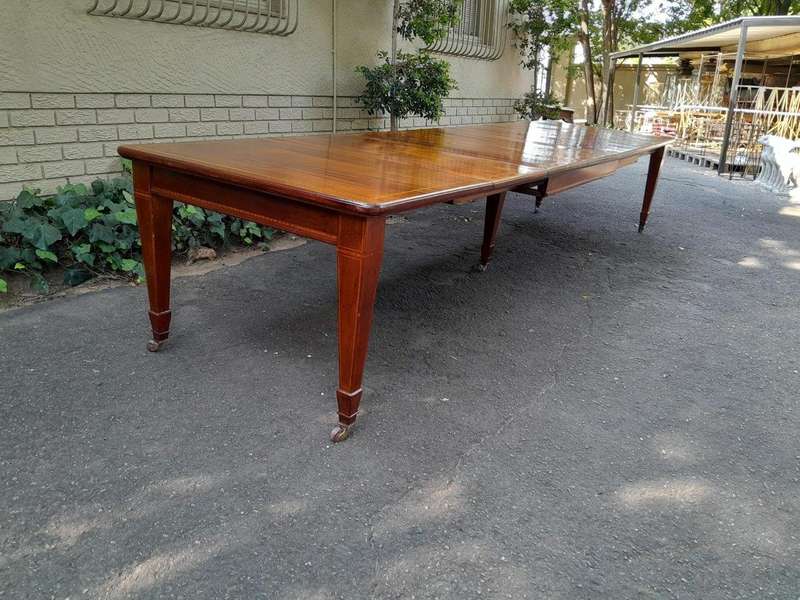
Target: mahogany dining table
(340, 188)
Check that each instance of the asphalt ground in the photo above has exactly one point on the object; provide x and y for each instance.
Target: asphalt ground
(601, 414)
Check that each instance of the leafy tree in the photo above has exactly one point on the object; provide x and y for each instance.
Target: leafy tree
(412, 83)
(417, 83)
(621, 25)
(688, 16)
(601, 27)
(536, 105)
(554, 24)
(429, 20)
(540, 25)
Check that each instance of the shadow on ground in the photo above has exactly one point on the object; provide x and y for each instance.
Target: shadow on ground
(602, 414)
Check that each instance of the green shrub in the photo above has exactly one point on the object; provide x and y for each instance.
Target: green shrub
(416, 85)
(93, 231)
(536, 105)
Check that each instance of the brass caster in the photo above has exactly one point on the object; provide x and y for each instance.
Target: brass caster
(482, 267)
(340, 433)
(154, 346)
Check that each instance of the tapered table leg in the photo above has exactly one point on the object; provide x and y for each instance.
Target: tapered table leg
(358, 259)
(154, 215)
(494, 208)
(656, 158)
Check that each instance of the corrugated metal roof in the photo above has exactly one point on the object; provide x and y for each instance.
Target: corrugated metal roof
(719, 36)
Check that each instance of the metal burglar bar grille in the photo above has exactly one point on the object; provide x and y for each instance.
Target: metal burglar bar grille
(480, 31)
(276, 17)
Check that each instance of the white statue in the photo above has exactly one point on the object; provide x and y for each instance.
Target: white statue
(780, 164)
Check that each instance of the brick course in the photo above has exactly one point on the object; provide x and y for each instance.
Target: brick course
(48, 140)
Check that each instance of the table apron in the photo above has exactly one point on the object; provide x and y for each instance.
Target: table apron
(566, 180)
(573, 178)
(296, 217)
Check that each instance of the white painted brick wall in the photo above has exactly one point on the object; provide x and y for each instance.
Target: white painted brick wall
(48, 140)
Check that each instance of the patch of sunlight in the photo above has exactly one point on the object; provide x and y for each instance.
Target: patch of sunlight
(751, 262)
(790, 211)
(672, 447)
(322, 594)
(768, 243)
(156, 570)
(188, 485)
(437, 500)
(287, 508)
(792, 264)
(58, 535)
(409, 565)
(443, 564)
(672, 491)
(778, 247)
(68, 531)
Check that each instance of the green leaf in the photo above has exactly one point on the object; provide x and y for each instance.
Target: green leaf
(44, 235)
(128, 264)
(8, 256)
(28, 199)
(3, 286)
(127, 216)
(83, 253)
(20, 266)
(27, 256)
(75, 219)
(47, 255)
(87, 258)
(102, 233)
(90, 214)
(18, 223)
(78, 189)
(128, 196)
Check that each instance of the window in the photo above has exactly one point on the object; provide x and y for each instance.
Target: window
(480, 30)
(276, 17)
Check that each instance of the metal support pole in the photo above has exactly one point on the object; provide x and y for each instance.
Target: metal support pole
(636, 86)
(789, 72)
(697, 95)
(737, 75)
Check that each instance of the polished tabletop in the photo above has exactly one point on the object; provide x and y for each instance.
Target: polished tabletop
(376, 171)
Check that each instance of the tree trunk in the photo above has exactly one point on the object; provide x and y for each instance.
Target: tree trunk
(610, 99)
(588, 69)
(781, 7)
(393, 120)
(548, 80)
(610, 11)
(570, 77)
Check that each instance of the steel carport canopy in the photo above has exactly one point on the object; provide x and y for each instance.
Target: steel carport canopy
(718, 36)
